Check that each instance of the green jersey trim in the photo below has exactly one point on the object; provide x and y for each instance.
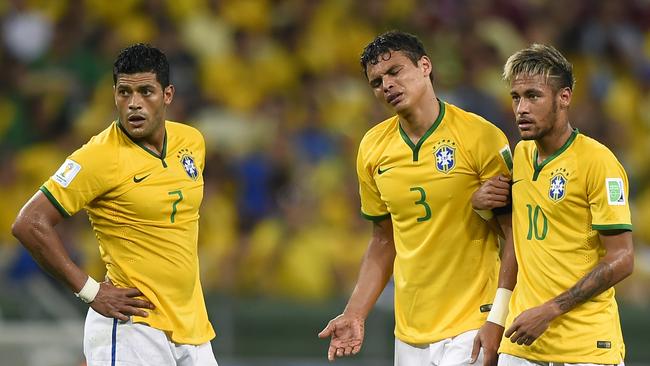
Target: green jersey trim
(626, 227)
(436, 123)
(53, 200)
(375, 218)
(538, 168)
(163, 153)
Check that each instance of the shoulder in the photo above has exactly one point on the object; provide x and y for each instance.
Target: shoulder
(592, 151)
(523, 148)
(379, 132)
(468, 120)
(104, 143)
(182, 129)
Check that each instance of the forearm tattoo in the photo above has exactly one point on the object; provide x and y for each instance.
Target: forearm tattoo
(595, 282)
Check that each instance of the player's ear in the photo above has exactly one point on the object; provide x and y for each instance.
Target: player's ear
(564, 96)
(425, 65)
(168, 94)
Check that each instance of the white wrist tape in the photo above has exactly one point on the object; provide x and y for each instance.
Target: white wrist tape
(499, 310)
(89, 291)
(485, 214)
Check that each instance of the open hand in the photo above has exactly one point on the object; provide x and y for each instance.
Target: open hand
(488, 338)
(346, 334)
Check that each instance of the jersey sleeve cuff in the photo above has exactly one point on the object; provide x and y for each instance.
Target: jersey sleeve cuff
(53, 200)
(375, 218)
(627, 227)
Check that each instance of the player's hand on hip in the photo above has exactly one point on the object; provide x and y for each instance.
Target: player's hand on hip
(346, 334)
(488, 338)
(529, 325)
(120, 303)
(493, 193)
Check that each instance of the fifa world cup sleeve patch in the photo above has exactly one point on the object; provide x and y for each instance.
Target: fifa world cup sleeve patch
(66, 173)
(615, 193)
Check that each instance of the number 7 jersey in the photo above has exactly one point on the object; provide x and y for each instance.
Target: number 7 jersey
(558, 207)
(144, 210)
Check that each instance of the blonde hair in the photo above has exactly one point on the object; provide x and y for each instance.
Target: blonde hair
(540, 59)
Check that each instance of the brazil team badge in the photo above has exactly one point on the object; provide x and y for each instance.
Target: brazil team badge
(187, 161)
(557, 189)
(445, 154)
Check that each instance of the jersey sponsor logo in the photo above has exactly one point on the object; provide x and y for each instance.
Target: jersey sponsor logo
(380, 171)
(507, 156)
(445, 154)
(138, 180)
(603, 344)
(187, 161)
(558, 183)
(66, 173)
(615, 191)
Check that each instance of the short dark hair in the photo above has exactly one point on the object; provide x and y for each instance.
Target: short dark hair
(394, 40)
(142, 57)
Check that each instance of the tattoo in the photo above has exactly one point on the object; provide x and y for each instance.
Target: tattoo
(594, 283)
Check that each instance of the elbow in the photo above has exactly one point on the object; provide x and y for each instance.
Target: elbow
(26, 227)
(628, 267)
(18, 228)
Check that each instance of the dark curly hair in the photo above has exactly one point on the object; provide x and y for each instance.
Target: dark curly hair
(394, 40)
(142, 57)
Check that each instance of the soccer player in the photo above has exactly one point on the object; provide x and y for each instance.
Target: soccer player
(140, 180)
(571, 224)
(417, 172)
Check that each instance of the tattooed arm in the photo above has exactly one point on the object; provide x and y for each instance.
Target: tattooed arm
(617, 264)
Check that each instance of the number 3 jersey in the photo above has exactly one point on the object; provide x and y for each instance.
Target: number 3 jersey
(558, 207)
(144, 210)
(447, 262)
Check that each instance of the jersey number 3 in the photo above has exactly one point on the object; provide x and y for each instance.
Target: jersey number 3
(422, 201)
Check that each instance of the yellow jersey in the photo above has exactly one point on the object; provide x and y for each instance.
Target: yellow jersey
(558, 208)
(447, 262)
(144, 210)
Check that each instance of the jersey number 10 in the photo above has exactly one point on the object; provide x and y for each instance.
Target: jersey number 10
(533, 224)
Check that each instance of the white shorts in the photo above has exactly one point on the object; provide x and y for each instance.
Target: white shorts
(510, 360)
(454, 351)
(111, 342)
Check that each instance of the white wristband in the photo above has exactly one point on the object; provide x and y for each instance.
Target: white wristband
(89, 291)
(499, 310)
(485, 214)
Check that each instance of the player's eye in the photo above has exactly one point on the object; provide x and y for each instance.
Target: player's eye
(375, 83)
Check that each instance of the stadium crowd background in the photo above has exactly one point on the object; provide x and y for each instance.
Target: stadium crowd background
(276, 88)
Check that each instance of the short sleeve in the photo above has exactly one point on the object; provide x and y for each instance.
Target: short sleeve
(372, 207)
(493, 154)
(82, 177)
(607, 193)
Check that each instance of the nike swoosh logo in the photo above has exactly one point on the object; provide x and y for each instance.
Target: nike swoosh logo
(517, 181)
(138, 180)
(380, 172)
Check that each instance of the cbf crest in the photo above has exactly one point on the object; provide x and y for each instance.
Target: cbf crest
(445, 153)
(187, 161)
(558, 183)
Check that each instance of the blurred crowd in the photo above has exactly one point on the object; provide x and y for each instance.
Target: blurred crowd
(276, 88)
